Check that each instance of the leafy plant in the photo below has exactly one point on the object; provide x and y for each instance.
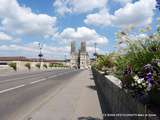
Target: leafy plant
(28, 65)
(56, 65)
(13, 65)
(104, 61)
(38, 65)
(45, 66)
(50, 65)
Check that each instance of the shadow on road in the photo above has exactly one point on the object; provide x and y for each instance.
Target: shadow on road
(88, 118)
(93, 87)
(103, 103)
(91, 78)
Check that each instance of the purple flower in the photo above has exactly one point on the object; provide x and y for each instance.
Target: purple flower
(158, 4)
(149, 77)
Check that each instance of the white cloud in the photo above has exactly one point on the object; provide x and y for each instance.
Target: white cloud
(32, 50)
(139, 13)
(123, 2)
(132, 14)
(4, 36)
(82, 34)
(78, 6)
(101, 18)
(21, 20)
(91, 50)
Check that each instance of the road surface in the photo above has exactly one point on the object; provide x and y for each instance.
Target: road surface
(21, 93)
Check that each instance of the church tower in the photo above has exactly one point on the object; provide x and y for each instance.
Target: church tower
(84, 57)
(74, 56)
(73, 47)
(83, 46)
(79, 59)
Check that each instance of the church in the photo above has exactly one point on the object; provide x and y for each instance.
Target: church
(79, 59)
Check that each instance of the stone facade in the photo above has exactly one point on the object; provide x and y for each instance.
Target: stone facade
(79, 59)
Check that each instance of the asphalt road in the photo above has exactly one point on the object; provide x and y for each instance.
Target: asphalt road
(21, 93)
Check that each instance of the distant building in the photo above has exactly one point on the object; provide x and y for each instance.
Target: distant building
(79, 59)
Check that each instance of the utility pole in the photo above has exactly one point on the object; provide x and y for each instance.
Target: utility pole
(40, 55)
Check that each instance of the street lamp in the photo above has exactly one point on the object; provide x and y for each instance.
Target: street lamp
(95, 47)
(40, 55)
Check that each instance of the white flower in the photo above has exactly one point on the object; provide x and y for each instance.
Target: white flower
(144, 84)
(149, 86)
(133, 84)
(159, 64)
(140, 80)
(135, 77)
(140, 86)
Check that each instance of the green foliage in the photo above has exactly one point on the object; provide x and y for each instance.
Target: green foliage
(50, 65)
(104, 62)
(133, 54)
(28, 65)
(158, 29)
(56, 65)
(45, 66)
(137, 55)
(38, 65)
(13, 65)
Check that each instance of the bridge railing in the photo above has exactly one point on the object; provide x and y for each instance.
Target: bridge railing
(119, 104)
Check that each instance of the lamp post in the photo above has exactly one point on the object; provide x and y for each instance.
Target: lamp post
(95, 47)
(40, 55)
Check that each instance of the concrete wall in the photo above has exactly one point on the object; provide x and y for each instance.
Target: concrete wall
(117, 101)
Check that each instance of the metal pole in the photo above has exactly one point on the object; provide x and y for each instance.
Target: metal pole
(95, 46)
(40, 54)
(65, 59)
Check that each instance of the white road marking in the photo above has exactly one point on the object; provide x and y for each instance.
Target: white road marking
(38, 81)
(44, 79)
(22, 78)
(60, 74)
(13, 88)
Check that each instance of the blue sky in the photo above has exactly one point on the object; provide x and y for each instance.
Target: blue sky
(55, 23)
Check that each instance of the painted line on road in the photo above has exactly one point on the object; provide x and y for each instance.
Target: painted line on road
(21, 78)
(38, 81)
(44, 79)
(60, 74)
(16, 79)
(13, 88)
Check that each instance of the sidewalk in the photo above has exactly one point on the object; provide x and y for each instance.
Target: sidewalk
(77, 100)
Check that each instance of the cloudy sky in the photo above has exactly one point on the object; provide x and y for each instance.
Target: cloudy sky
(54, 23)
